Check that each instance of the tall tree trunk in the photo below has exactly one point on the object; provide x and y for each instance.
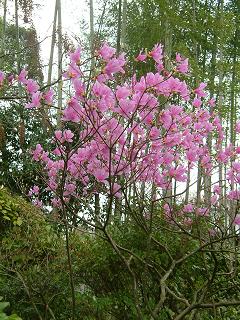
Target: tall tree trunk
(91, 34)
(18, 37)
(168, 53)
(124, 25)
(4, 29)
(208, 180)
(119, 25)
(50, 65)
(220, 104)
(59, 14)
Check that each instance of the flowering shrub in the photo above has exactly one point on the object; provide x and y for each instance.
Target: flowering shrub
(124, 142)
(127, 131)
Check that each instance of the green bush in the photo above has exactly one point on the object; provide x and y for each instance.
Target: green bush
(3, 316)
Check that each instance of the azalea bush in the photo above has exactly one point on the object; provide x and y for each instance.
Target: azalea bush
(123, 155)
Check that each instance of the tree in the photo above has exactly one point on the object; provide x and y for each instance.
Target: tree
(119, 127)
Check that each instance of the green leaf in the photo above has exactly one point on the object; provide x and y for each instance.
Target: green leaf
(3, 305)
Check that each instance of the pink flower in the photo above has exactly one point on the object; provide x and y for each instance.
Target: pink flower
(117, 190)
(2, 77)
(73, 112)
(217, 189)
(106, 52)
(212, 102)
(122, 92)
(38, 203)
(48, 96)
(68, 135)
(100, 174)
(214, 199)
(199, 91)
(22, 76)
(79, 88)
(115, 65)
(234, 195)
(36, 101)
(197, 103)
(10, 78)
(202, 212)
(237, 126)
(37, 152)
(154, 133)
(178, 57)
(69, 189)
(167, 210)
(141, 57)
(58, 135)
(56, 202)
(188, 208)
(75, 56)
(32, 86)
(183, 67)
(33, 190)
(157, 53)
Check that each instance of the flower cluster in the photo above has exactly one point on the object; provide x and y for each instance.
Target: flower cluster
(127, 130)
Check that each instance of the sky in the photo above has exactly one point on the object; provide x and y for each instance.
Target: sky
(73, 12)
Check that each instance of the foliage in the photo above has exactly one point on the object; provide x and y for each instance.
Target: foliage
(9, 211)
(3, 316)
(16, 125)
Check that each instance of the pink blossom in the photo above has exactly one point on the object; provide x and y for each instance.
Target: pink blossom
(32, 86)
(234, 195)
(10, 78)
(100, 174)
(122, 92)
(202, 211)
(212, 102)
(106, 52)
(237, 127)
(154, 133)
(200, 90)
(183, 67)
(214, 199)
(36, 101)
(188, 208)
(58, 135)
(217, 189)
(115, 65)
(73, 112)
(75, 56)
(37, 152)
(48, 96)
(79, 88)
(157, 53)
(178, 57)
(141, 57)
(167, 210)
(56, 202)
(197, 102)
(22, 76)
(2, 77)
(69, 189)
(67, 136)
(33, 191)
(38, 203)
(117, 190)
